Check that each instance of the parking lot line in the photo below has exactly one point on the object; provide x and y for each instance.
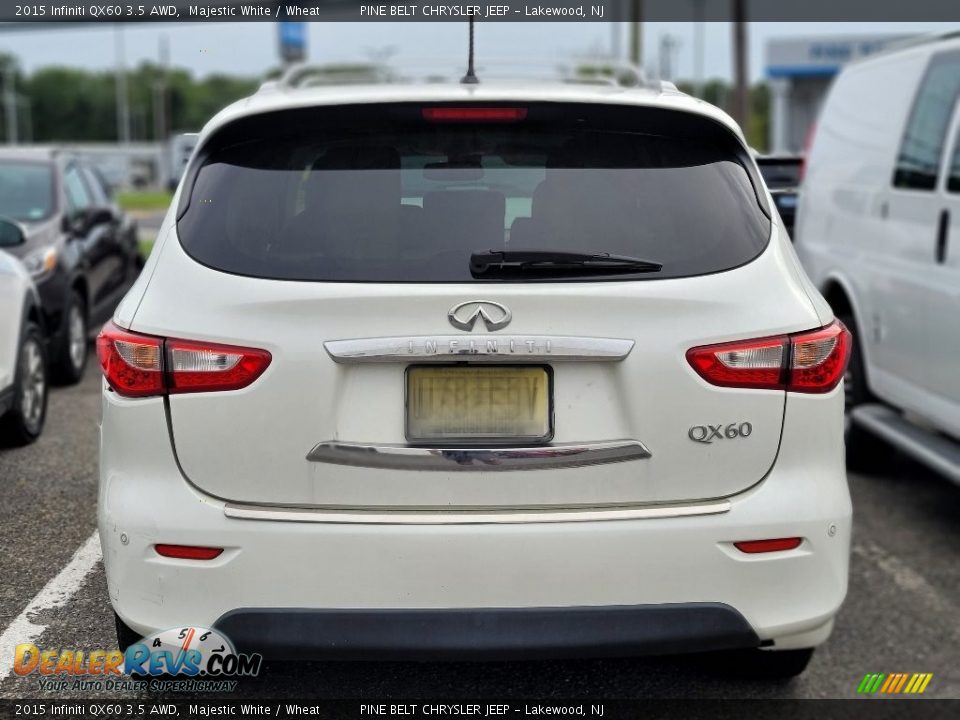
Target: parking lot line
(54, 594)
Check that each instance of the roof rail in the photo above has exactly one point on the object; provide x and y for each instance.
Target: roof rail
(591, 71)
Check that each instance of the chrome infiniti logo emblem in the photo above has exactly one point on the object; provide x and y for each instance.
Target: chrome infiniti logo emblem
(464, 316)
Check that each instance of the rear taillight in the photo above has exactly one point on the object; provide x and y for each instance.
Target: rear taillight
(818, 359)
(805, 153)
(203, 367)
(145, 365)
(132, 364)
(807, 362)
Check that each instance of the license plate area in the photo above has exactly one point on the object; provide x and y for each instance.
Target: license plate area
(479, 404)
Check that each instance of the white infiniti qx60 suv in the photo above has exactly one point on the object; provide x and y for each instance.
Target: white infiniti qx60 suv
(476, 371)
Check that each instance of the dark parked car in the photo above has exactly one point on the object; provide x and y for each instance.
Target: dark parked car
(80, 248)
(782, 175)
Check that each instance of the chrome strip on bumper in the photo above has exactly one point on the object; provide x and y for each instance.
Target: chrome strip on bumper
(471, 517)
(490, 459)
(489, 348)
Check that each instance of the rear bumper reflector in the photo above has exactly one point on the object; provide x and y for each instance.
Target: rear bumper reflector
(765, 546)
(188, 552)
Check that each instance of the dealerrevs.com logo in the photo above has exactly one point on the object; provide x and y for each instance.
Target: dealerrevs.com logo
(189, 658)
(189, 651)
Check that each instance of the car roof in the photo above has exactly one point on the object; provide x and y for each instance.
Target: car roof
(31, 153)
(925, 43)
(272, 97)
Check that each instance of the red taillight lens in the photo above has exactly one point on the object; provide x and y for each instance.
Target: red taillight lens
(143, 365)
(765, 546)
(819, 359)
(805, 153)
(807, 362)
(188, 552)
(747, 364)
(474, 114)
(132, 364)
(203, 367)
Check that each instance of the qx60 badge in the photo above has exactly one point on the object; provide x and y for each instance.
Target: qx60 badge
(706, 434)
(465, 315)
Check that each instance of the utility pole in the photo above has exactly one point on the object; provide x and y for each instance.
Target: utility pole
(698, 47)
(10, 103)
(668, 44)
(28, 119)
(615, 44)
(123, 99)
(741, 102)
(161, 125)
(636, 32)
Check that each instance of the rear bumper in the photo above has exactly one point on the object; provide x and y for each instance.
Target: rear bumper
(291, 633)
(594, 586)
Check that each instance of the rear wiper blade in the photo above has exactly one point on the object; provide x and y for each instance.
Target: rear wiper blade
(557, 260)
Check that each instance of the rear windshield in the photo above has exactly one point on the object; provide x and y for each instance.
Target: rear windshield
(403, 193)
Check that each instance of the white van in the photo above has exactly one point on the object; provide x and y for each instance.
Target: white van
(878, 231)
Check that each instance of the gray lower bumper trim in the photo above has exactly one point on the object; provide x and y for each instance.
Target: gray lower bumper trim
(487, 633)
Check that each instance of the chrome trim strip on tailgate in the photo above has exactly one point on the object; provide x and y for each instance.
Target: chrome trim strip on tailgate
(489, 348)
(470, 517)
(490, 459)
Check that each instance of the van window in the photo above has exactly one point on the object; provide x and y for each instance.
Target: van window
(921, 150)
(78, 197)
(384, 194)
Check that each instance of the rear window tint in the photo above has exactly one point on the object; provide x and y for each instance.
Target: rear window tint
(380, 194)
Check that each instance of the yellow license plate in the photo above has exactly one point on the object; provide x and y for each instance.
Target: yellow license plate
(466, 403)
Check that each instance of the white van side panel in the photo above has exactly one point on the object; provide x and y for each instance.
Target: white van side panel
(842, 230)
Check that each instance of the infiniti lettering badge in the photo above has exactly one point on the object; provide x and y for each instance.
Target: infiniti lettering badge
(464, 316)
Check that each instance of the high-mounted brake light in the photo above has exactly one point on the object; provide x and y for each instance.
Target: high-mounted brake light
(765, 546)
(145, 365)
(188, 552)
(474, 114)
(807, 362)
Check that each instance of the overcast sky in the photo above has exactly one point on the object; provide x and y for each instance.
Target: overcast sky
(249, 48)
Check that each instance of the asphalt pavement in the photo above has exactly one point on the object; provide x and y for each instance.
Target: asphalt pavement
(901, 613)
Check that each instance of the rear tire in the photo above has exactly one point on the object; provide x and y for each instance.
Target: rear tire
(865, 451)
(126, 636)
(766, 664)
(71, 358)
(24, 422)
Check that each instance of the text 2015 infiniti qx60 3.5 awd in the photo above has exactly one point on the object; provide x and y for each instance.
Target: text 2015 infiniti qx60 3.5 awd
(476, 371)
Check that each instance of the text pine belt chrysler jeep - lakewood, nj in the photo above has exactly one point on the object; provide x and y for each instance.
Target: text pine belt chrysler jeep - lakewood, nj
(476, 370)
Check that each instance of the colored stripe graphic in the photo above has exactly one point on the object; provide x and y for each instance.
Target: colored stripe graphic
(903, 680)
(894, 683)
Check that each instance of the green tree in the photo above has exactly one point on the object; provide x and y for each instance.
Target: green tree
(70, 104)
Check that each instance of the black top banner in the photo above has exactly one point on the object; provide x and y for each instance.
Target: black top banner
(109, 11)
